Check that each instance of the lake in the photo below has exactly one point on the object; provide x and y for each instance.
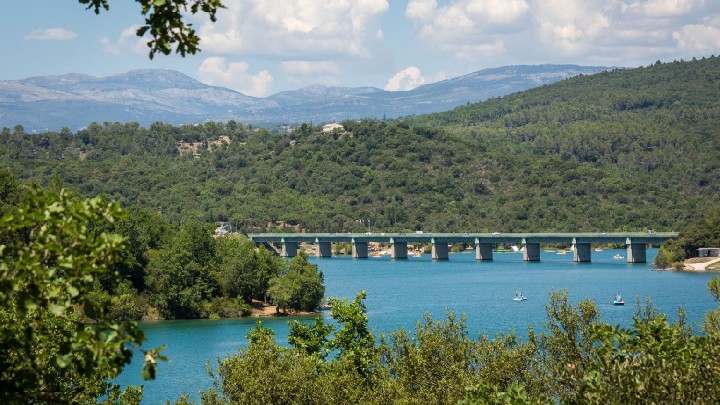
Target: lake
(399, 292)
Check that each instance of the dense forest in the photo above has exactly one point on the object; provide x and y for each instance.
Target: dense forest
(627, 149)
(176, 271)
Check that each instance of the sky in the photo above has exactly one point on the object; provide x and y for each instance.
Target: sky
(261, 47)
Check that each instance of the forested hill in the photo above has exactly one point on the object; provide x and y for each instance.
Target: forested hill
(626, 149)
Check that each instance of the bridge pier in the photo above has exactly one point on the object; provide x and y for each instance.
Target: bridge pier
(270, 248)
(581, 252)
(636, 253)
(483, 251)
(359, 250)
(398, 250)
(532, 252)
(323, 249)
(289, 249)
(439, 250)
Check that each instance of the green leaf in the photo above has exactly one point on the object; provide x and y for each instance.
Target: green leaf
(64, 361)
(56, 308)
(30, 304)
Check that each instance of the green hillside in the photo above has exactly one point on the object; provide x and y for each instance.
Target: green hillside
(621, 150)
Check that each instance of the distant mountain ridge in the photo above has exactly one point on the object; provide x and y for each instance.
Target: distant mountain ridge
(149, 95)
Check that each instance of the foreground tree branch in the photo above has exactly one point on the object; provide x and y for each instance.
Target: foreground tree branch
(165, 20)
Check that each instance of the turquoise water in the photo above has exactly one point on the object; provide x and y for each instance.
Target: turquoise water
(399, 292)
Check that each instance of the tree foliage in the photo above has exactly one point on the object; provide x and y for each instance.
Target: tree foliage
(299, 287)
(165, 21)
(244, 272)
(702, 232)
(58, 344)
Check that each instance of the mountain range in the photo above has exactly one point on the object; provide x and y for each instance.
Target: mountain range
(151, 95)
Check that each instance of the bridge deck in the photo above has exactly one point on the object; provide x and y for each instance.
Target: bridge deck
(427, 237)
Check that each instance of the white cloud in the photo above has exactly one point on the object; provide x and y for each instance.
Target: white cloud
(406, 79)
(51, 34)
(698, 39)
(215, 71)
(668, 8)
(571, 26)
(126, 42)
(620, 32)
(307, 29)
(461, 17)
(420, 10)
(468, 29)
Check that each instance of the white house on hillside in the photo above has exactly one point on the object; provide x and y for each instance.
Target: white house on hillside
(331, 127)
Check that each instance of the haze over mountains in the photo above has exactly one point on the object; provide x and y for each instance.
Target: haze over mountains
(146, 96)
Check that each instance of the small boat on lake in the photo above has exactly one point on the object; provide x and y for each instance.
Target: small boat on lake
(618, 256)
(519, 296)
(618, 300)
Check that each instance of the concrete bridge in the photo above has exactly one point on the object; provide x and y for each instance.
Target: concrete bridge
(636, 242)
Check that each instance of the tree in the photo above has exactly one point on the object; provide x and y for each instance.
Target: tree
(265, 373)
(243, 272)
(165, 21)
(711, 323)
(354, 341)
(651, 362)
(58, 344)
(704, 232)
(300, 288)
(564, 350)
(145, 230)
(179, 275)
(312, 340)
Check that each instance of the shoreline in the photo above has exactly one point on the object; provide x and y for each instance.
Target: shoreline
(267, 312)
(270, 311)
(700, 264)
(257, 311)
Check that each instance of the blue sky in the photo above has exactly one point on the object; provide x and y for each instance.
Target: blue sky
(260, 47)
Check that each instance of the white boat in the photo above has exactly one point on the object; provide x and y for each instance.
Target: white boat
(519, 299)
(618, 256)
(619, 302)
